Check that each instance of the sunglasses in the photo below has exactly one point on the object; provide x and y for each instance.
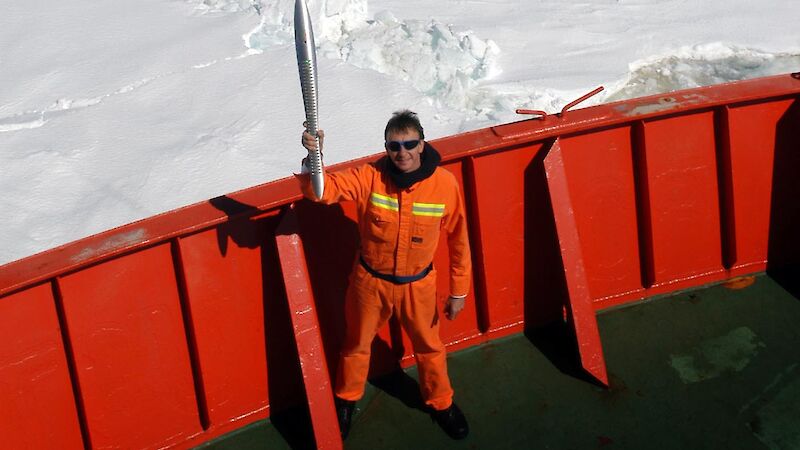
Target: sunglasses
(394, 146)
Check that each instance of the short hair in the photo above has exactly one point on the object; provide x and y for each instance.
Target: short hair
(402, 121)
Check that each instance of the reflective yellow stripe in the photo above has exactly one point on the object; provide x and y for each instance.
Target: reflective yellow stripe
(385, 197)
(382, 201)
(428, 209)
(430, 205)
(430, 214)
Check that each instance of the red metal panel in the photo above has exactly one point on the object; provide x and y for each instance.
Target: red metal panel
(466, 324)
(752, 132)
(680, 158)
(307, 334)
(504, 191)
(580, 302)
(601, 187)
(225, 293)
(129, 344)
(38, 405)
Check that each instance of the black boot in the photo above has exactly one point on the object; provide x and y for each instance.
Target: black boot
(344, 412)
(452, 421)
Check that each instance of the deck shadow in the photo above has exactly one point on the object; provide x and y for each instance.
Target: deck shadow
(788, 278)
(559, 344)
(294, 426)
(401, 386)
(387, 375)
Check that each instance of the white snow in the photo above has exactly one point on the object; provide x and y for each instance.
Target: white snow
(112, 111)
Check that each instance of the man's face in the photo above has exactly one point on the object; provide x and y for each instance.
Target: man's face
(407, 160)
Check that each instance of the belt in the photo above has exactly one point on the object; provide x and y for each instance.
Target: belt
(394, 278)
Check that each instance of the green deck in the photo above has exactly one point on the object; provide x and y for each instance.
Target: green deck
(709, 368)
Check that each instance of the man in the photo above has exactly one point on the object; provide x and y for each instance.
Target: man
(403, 201)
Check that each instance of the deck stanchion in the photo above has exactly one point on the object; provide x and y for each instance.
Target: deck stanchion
(580, 302)
(308, 339)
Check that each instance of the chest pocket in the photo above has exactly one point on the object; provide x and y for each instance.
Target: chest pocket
(427, 222)
(382, 225)
(382, 217)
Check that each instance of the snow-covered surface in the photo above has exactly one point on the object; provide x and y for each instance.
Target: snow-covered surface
(114, 111)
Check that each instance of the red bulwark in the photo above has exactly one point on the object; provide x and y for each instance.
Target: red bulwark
(681, 164)
(752, 131)
(453, 332)
(225, 293)
(501, 204)
(599, 168)
(37, 405)
(129, 342)
(713, 191)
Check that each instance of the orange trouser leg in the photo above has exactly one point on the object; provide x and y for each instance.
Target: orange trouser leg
(367, 309)
(368, 306)
(420, 318)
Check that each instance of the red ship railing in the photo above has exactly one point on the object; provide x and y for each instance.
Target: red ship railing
(176, 329)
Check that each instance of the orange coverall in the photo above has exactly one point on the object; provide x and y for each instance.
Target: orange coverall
(399, 230)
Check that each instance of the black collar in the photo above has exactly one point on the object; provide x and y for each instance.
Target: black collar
(429, 161)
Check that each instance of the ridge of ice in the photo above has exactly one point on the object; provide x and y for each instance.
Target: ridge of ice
(454, 68)
(683, 68)
(699, 65)
(438, 60)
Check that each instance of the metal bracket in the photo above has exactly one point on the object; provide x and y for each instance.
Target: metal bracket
(566, 107)
(533, 112)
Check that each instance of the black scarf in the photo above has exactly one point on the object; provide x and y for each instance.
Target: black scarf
(429, 161)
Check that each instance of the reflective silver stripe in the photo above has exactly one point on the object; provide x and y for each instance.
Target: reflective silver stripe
(428, 209)
(382, 201)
